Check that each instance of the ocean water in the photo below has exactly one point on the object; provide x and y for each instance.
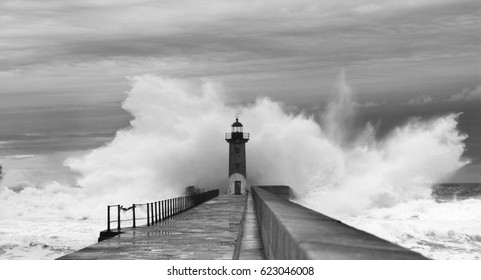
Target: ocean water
(61, 173)
(37, 239)
(451, 192)
(445, 226)
(39, 213)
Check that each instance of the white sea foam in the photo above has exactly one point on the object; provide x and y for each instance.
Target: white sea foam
(176, 139)
(450, 230)
(41, 238)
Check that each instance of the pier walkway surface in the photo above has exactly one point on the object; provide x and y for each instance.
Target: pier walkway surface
(251, 247)
(208, 231)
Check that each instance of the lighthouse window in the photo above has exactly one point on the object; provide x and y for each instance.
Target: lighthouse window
(237, 165)
(236, 150)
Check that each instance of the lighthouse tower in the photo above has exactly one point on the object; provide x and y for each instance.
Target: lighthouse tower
(237, 140)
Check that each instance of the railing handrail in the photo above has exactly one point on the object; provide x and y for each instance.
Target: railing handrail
(161, 209)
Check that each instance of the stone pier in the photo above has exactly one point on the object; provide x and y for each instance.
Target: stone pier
(208, 231)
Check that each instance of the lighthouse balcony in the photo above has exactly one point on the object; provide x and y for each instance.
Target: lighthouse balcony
(237, 135)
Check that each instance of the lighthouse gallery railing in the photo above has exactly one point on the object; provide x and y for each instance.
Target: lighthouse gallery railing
(245, 135)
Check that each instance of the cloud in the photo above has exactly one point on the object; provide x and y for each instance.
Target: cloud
(468, 94)
(369, 104)
(420, 100)
(287, 49)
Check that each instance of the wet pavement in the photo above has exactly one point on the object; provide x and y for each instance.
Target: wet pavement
(207, 232)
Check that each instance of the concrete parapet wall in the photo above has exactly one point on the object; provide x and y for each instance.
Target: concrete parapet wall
(291, 231)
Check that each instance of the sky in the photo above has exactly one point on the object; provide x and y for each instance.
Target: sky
(403, 58)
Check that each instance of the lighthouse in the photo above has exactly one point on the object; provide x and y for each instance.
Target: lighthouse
(237, 140)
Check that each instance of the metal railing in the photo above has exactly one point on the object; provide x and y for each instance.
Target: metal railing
(154, 212)
(237, 135)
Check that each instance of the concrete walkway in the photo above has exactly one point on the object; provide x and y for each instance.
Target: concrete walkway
(207, 232)
(251, 245)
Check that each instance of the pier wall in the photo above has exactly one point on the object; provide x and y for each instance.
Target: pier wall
(291, 231)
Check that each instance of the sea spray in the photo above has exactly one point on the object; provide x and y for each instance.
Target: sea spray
(176, 139)
(449, 230)
(371, 172)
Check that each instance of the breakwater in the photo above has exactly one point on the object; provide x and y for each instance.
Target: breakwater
(291, 231)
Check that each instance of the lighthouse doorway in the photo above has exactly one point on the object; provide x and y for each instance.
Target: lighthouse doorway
(237, 187)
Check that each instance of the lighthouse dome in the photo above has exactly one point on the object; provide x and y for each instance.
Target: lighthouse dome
(237, 126)
(237, 123)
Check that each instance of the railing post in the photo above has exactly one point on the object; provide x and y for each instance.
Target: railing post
(163, 209)
(133, 215)
(118, 217)
(155, 204)
(167, 206)
(148, 217)
(176, 205)
(152, 212)
(108, 218)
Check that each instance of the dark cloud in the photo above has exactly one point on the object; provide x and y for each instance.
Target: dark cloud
(278, 31)
(468, 94)
(420, 100)
(391, 50)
